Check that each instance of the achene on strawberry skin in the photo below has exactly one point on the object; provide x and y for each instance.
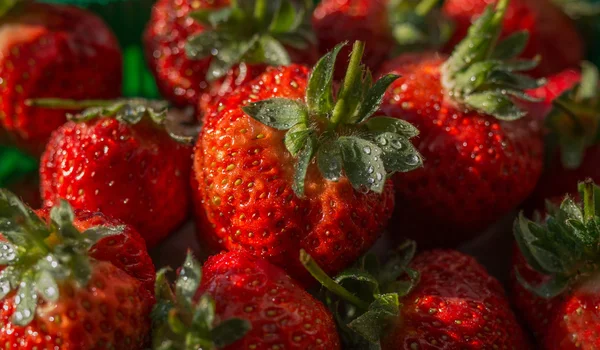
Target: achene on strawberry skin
(322, 185)
(71, 280)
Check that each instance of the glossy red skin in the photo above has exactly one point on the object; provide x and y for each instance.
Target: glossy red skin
(551, 33)
(135, 173)
(280, 311)
(181, 80)
(569, 321)
(476, 167)
(335, 21)
(113, 310)
(244, 197)
(456, 305)
(62, 52)
(556, 179)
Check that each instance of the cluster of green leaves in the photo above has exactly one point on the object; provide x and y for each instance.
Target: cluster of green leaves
(127, 111)
(181, 323)
(34, 268)
(252, 31)
(339, 132)
(575, 119)
(418, 24)
(565, 246)
(366, 298)
(483, 74)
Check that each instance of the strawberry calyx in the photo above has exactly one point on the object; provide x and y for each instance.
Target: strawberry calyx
(418, 25)
(340, 133)
(180, 322)
(574, 122)
(366, 298)
(250, 31)
(36, 256)
(483, 73)
(565, 246)
(7, 5)
(127, 111)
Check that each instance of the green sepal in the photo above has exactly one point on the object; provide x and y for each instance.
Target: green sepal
(565, 245)
(418, 25)
(483, 74)
(251, 32)
(319, 92)
(342, 132)
(34, 267)
(183, 321)
(128, 111)
(7, 5)
(574, 121)
(366, 298)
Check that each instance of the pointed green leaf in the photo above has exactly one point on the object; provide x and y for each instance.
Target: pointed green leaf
(228, 56)
(285, 18)
(203, 45)
(588, 88)
(548, 290)
(329, 160)
(213, 17)
(512, 46)
(304, 158)
(362, 163)
(26, 302)
(374, 97)
(495, 104)
(371, 324)
(275, 54)
(8, 253)
(387, 124)
(295, 138)
(230, 331)
(319, 92)
(399, 154)
(204, 315)
(46, 286)
(95, 234)
(188, 281)
(278, 113)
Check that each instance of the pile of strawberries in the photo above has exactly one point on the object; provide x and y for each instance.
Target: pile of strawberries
(320, 129)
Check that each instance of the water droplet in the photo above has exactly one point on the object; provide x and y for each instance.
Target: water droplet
(412, 159)
(397, 144)
(370, 170)
(214, 52)
(367, 150)
(379, 176)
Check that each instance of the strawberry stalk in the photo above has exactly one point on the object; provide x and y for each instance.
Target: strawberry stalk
(343, 107)
(317, 272)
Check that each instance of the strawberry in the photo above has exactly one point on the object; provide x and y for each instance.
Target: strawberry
(71, 280)
(572, 115)
(556, 273)
(118, 160)
(42, 47)
(483, 154)
(441, 299)
(238, 301)
(388, 26)
(192, 45)
(268, 191)
(553, 35)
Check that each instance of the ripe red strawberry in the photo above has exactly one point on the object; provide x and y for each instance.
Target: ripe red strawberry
(553, 35)
(556, 273)
(442, 299)
(42, 48)
(270, 192)
(388, 26)
(238, 301)
(191, 44)
(572, 114)
(483, 154)
(119, 160)
(71, 280)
